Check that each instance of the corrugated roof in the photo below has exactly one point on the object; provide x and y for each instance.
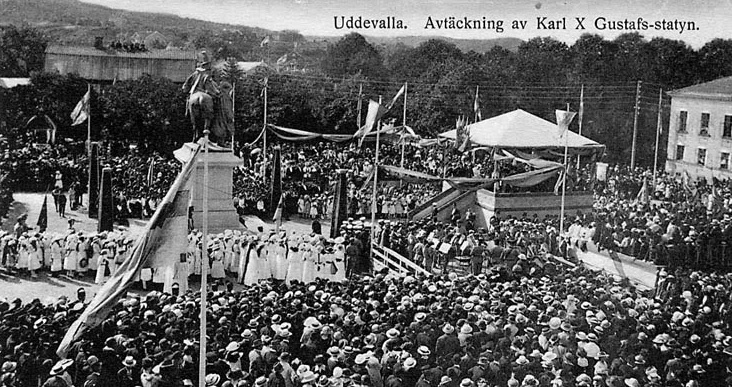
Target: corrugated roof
(9, 83)
(150, 54)
(718, 88)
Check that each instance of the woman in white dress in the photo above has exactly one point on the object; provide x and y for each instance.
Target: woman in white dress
(57, 255)
(295, 260)
(72, 244)
(112, 249)
(339, 257)
(102, 266)
(308, 263)
(314, 206)
(257, 267)
(34, 257)
(280, 259)
(301, 207)
(96, 247)
(22, 263)
(217, 266)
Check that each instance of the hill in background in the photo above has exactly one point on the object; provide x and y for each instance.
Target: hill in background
(74, 22)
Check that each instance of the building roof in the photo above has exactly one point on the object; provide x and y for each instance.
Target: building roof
(9, 83)
(717, 89)
(174, 54)
(521, 129)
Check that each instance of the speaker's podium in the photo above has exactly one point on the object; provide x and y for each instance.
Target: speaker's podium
(221, 163)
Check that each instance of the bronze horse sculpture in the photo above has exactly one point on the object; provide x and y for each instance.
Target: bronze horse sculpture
(209, 106)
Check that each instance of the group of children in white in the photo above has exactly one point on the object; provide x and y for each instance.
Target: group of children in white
(248, 258)
(252, 258)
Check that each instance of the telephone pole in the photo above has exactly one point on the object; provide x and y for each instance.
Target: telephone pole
(635, 123)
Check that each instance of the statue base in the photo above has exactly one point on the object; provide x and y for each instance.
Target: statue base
(221, 163)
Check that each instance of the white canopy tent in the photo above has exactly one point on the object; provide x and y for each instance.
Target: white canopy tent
(524, 131)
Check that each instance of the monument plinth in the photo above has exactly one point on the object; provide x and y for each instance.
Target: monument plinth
(221, 162)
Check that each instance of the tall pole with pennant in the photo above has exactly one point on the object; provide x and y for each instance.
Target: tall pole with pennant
(635, 123)
(264, 147)
(373, 194)
(204, 267)
(404, 126)
(659, 129)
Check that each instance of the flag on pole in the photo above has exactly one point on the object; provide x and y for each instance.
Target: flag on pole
(396, 97)
(264, 42)
(159, 246)
(564, 118)
(278, 213)
(43, 216)
(81, 111)
(374, 114)
(151, 172)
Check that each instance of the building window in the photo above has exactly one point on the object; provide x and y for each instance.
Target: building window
(727, 127)
(680, 152)
(724, 160)
(701, 156)
(683, 116)
(704, 127)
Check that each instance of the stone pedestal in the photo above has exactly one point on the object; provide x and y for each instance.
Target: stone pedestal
(221, 162)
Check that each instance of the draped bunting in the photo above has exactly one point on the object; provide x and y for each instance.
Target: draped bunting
(289, 134)
(524, 179)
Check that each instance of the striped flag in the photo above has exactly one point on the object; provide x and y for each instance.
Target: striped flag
(81, 111)
(396, 97)
(164, 238)
(374, 114)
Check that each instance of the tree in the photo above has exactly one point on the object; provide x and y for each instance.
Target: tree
(22, 51)
(352, 55)
(715, 59)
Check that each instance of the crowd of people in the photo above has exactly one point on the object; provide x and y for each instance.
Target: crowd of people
(568, 326)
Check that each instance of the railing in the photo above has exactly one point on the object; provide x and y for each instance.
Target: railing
(384, 257)
(429, 202)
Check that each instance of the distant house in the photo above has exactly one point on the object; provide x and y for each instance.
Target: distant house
(700, 130)
(107, 65)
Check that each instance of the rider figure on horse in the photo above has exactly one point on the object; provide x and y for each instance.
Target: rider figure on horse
(202, 90)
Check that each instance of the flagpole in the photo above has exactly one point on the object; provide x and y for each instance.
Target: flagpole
(564, 177)
(373, 195)
(264, 150)
(233, 114)
(581, 114)
(358, 115)
(658, 135)
(88, 122)
(204, 267)
(475, 104)
(404, 124)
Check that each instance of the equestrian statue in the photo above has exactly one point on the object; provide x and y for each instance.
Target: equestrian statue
(209, 105)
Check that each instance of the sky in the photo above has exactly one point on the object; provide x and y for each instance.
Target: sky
(316, 17)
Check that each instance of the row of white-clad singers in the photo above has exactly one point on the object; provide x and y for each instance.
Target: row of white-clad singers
(284, 257)
(73, 253)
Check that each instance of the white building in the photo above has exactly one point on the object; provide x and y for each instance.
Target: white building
(700, 133)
